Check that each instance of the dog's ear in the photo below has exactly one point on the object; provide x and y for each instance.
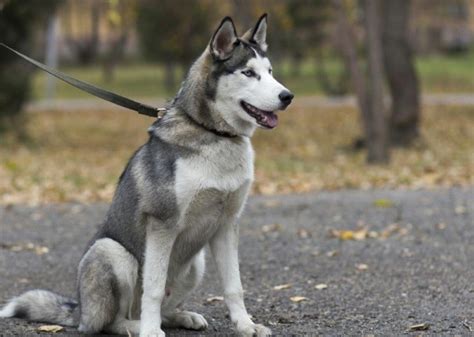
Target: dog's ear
(224, 39)
(258, 34)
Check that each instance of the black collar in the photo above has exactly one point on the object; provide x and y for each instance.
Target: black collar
(214, 131)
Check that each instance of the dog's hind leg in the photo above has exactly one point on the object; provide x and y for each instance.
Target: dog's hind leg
(127, 283)
(107, 281)
(123, 323)
(185, 281)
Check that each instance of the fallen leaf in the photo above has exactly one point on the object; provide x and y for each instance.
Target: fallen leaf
(383, 203)
(272, 203)
(268, 188)
(213, 299)
(282, 286)
(344, 234)
(403, 231)
(467, 326)
(390, 230)
(18, 247)
(332, 253)
(362, 266)
(441, 226)
(460, 210)
(40, 250)
(360, 234)
(419, 327)
(298, 299)
(50, 328)
(321, 286)
(341, 234)
(303, 233)
(275, 227)
(372, 234)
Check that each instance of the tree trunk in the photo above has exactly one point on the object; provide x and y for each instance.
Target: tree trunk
(369, 91)
(113, 56)
(401, 75)
(346, 42)
(377, 135)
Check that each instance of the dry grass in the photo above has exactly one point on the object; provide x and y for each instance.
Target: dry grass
(311, 151)
(79, 156)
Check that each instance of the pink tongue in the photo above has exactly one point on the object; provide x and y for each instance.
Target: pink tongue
(271, 120)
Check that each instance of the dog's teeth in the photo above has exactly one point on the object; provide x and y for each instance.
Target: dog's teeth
(261, 116)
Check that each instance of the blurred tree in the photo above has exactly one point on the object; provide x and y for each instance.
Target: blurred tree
(334, 84)
(368, 90)
(346, 42)
(120, 16)
(174, 32)
(400, 71)
(19, 20)
(244, 13)
(375, 117)
(85, 47)
(306, 32)
(380, 131)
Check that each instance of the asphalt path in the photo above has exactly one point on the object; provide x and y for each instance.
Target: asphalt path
(411, 263)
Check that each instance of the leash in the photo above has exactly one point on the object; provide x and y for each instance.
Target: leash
(109, 96)
(114, 98)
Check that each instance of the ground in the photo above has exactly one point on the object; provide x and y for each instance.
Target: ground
(410, 262)
(76, 153)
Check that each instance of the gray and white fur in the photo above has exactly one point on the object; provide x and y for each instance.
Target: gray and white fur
(185, 188)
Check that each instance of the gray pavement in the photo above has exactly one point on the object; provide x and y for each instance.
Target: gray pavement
(422, 272)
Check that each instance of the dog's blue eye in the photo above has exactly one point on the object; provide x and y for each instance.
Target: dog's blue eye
(249, 73)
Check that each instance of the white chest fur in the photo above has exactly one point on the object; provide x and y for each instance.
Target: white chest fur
(223, 166)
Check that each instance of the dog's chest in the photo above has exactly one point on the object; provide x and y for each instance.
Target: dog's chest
(206, 183)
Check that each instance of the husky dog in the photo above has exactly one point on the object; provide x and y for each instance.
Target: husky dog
(185, 188)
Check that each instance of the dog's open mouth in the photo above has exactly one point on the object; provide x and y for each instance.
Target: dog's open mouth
(264, 118)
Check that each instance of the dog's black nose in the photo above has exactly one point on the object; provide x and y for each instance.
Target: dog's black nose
(286, 97)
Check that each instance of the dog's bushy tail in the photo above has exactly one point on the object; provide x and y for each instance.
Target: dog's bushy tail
(41, 306)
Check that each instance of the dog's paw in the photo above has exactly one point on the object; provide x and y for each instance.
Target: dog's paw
(152, 332)
(187, 320)
(253, 330)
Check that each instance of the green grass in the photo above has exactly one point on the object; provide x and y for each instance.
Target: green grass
(447, 74)
(136, 80)
(438, 74)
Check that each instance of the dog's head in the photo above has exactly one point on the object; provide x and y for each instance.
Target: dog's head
(240, 83)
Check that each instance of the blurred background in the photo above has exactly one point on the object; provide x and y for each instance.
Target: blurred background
(384, 91)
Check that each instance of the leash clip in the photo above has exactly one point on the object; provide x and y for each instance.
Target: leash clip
(160, 112)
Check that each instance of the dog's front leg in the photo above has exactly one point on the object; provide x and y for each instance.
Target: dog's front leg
(224, 246)
(159, 243)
